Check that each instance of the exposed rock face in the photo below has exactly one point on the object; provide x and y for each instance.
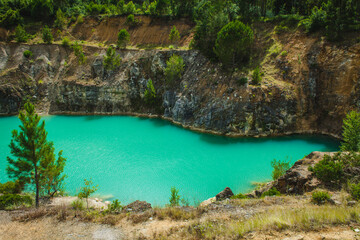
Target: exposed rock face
(224, 194)
(311, 98)
(137, 206)
(298, 179)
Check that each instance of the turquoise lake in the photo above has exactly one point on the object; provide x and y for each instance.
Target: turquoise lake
(134, 158)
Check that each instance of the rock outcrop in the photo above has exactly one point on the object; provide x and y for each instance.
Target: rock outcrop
(309, 98)
(224, 194)
(137, 206)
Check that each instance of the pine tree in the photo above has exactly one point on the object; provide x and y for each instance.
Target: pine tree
(174, 36)
(34, 161)
(351, 132)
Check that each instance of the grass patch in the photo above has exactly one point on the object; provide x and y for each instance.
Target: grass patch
(279, 218)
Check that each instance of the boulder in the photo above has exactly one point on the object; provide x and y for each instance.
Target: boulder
(226, 193)
(137, 206)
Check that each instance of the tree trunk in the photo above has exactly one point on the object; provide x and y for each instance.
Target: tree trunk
(37, 188)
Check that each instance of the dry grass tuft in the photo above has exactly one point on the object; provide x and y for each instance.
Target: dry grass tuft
(178, 213)
(136, 218)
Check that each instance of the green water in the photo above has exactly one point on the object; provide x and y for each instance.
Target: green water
(133, 158)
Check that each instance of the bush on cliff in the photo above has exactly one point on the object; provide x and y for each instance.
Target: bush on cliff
(123, 38)
(329, 169)
(174, 68)
(279, 168)
(47, 35)
(271, 192)
(111, 59)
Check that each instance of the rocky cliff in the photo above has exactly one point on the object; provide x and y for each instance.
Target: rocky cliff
(308, 88)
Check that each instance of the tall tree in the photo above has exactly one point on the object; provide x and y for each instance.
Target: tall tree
(351, 132)
(34, 161)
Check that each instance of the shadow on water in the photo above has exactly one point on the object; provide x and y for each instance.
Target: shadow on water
(330, 144)
(93, 117)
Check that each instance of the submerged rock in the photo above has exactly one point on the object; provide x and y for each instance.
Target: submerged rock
(224, 194)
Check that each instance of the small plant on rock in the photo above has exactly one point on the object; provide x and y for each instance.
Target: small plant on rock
(271, 192)
(28, 53)
(279, 168)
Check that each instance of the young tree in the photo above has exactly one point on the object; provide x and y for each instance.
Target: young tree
(47, 35)
(174, 36)
(87, 190)
(351, 132)
(34, 161)
(174, 197)
(233, 43)
(174, 69)
(123, 38)
(20, 34)
(150, 93)
(111, 60)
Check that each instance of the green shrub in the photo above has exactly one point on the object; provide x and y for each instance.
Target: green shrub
(283, 53)
(65, 42)
(47, 35)
(60, 20)
(354, 190)
(10, 18)
(320, 197)
(80, 19)
(233, 43)
(242, 81)
(329, 169)
(130, 20)
(174, 68)
(238, 196)
(316, 20)
(271, 192)
(256, 76)
(11, 187)
(279, 168)
(28, 54)
(150, 93)
(8, 200)
(77, 205)
(111, 59)
(20, 34)
(174, 35)
(79, 53)
(123, 38)
(351, 132)
(174, 197)
(115, 206)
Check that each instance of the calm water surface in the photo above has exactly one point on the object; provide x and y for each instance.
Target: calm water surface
(134, 158)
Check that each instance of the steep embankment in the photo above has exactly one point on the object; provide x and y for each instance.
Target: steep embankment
(306, 89)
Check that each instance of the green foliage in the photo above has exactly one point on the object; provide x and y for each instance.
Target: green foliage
(79, 53)
(34, 161)
(174, 68)
(238, 196)
(123, 38)
(65, 42)
(256, 76)
(174, 197)
(87, 190)
(8, 200)
(60, 21)
(130, 20)
(9, 17)
(354, 190)
(279, 168)
(320, 197)
(233, 43)
(77, 205)
(329, 169)
(11, 187)
(150, 93)
(28, 54)
(351, 132)
(271, 192)
(316, 20)
(283, 53)
(111, 59)
(242, 81)
(115, 206)
(174, 35)
(47, 36)
(20, 34)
